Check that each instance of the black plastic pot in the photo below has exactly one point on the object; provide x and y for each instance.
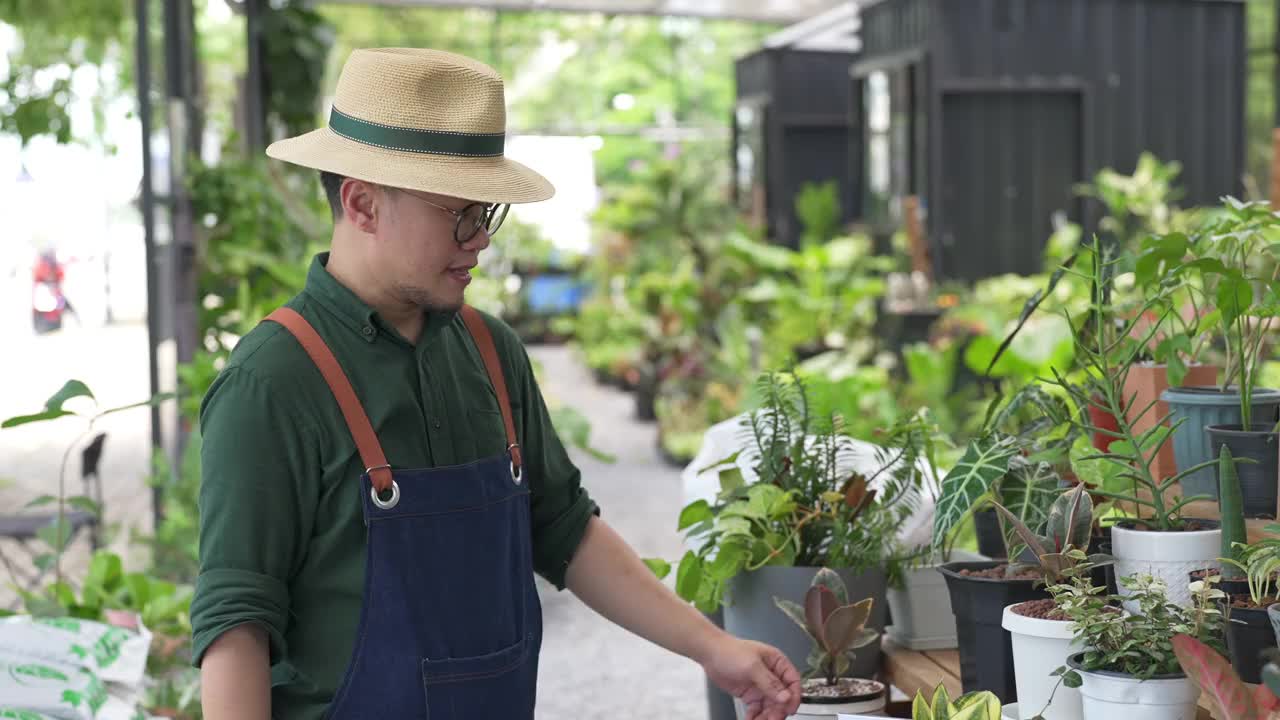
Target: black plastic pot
(1258, 479)
(986, 524)
(1249, 632)
(646, 395)
(986, 651)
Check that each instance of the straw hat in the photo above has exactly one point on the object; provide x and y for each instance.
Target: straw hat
(422, 120)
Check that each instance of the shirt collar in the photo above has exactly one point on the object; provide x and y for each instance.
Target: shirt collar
(354, 312)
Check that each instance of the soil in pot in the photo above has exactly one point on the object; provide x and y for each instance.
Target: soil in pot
(1261, 445)
(1040, 610)
(849, 696)
(816, 690)
(978, 602)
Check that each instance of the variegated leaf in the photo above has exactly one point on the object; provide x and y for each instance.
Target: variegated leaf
(984, 463)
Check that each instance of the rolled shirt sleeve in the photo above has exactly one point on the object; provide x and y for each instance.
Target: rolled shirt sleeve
(255, 505)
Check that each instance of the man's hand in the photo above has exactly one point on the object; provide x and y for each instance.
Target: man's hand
(761, 676)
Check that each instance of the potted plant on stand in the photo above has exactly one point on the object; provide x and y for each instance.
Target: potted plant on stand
(1012, 464)
(1129, 670)
(1041, 635)
(819, 499)
(1223, 267)
(1155, 538)
(1248, 579)
(838, 630)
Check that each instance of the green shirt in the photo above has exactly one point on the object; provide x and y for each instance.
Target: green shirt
(282, 534)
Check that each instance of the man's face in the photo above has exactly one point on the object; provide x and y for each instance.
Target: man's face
(415, 249)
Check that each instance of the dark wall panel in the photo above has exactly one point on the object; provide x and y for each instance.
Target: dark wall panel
(894, 26)
(1009, 161)
(1164, 76)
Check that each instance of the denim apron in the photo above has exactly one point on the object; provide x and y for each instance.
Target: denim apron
(451, 624)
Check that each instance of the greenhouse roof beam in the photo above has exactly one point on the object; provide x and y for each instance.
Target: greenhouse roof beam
(774, 11)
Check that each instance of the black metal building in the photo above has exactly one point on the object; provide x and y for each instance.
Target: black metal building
(792, 126)
(992, 110)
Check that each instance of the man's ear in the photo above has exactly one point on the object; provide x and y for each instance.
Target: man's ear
(360, 204)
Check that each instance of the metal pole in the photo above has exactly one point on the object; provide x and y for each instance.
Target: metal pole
(255, 121)
(143, 50)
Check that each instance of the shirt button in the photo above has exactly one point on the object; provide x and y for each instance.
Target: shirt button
(367, 330)
(437, 424)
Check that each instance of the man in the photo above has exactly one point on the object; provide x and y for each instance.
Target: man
(381, 479)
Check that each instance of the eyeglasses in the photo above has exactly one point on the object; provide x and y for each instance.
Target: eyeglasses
(473, 217)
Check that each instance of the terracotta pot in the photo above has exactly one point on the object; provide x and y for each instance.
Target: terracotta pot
(1103, 420)
(1145, 383)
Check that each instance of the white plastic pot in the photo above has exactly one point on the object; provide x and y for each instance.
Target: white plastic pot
(1112, 696)
(1039, 648)
(865, 708)
(921, 611)
(1170, 556)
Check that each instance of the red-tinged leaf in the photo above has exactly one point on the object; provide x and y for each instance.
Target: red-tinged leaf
(1266, 701)
(819, 603)
(854, 490)
(1215, 676)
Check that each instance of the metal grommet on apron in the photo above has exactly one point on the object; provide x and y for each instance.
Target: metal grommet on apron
(421, 652)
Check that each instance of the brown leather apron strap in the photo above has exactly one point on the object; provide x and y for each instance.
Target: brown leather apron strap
(484, 342)
(367, 444)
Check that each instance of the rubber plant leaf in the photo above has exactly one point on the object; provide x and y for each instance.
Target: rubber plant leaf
(819, 604)
(1215, 676)
(829, 579)
(1033, 541)
(984, 463)
(843, 626)
(1071, 520)
(793, 610)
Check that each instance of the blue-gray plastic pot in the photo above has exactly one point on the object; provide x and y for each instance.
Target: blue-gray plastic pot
(1199, 407)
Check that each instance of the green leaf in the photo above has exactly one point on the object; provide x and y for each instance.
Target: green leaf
(984, 463)
(659, 567)
(762, 498)
(56, 534)
(42, 500)
(727, 563)
(694, 513)
(793, 610)
(73, 389)
(730, 480)
(38, 417)
(81, 502)
(689, 576)
(1235, 295)
(105, 571)
(730, 525)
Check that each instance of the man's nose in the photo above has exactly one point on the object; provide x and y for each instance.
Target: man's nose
(478, 242)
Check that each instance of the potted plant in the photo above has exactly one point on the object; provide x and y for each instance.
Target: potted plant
(1248, 579)
(1128, 670)
(1154, 538)
(1012, 464)
(1215, 678)
(1041, 635)
(818, 501)
(837, 629)
(1221, 266)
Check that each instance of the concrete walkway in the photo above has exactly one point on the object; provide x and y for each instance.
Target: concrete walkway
(592, 669)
